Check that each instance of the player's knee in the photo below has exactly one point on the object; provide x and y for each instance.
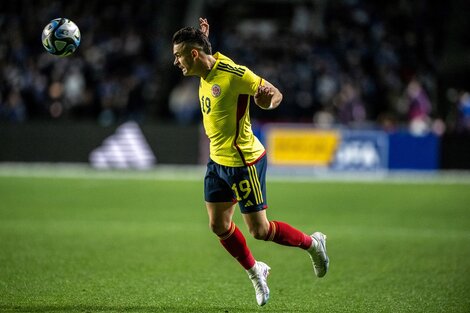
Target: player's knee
(219, 228)
(259, 232)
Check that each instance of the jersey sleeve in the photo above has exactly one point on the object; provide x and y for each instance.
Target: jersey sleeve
(249, 82)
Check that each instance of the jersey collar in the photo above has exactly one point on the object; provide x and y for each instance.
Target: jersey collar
(218, 56)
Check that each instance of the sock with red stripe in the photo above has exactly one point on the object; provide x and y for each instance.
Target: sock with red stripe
(234, 242)
(286, 235)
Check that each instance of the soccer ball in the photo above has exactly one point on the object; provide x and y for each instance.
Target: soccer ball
(61, 37)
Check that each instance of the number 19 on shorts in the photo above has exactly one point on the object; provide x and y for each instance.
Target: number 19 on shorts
(242, 189)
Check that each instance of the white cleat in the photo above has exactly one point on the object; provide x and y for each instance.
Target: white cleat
(258, 275)
(318, 254)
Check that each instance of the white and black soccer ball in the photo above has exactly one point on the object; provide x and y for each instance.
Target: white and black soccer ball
(61, 37)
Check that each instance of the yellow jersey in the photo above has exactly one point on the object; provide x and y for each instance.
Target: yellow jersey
(224, 96)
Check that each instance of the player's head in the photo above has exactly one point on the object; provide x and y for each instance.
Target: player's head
(194, 38)
(188, 43)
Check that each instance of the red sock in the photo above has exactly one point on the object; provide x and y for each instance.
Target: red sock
(286, 235)
(234, 242)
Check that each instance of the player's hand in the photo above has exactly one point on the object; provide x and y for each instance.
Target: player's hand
(204, 25)
(263, 96)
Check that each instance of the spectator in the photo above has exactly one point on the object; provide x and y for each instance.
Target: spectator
(13, 109)
(415, 104)
(417, 100)
(350, 108)
(307, 48)
(463, 106)
(183, 102)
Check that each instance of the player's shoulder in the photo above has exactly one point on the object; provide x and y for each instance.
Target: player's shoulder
(227, 65)
(224, 59)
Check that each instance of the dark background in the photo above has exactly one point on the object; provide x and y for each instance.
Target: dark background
(123, 67)
(346, 63)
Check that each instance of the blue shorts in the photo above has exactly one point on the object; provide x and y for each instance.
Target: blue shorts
(245, 185)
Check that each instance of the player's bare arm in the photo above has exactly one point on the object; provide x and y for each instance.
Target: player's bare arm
(267, 96)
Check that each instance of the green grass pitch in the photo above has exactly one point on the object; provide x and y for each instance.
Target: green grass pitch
(90, 244)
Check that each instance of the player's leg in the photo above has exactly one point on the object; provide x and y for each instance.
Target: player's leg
(284, 234)
(220, 206)
(251, 192)
(253, 204)
(279, 232)
(231, 238)
(220, 216)
(220, 203)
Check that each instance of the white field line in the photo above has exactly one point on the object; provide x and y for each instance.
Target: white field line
(196, 173)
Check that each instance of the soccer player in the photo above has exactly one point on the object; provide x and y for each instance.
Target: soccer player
(236, 170)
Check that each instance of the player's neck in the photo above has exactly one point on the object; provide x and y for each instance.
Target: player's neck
(208, 63)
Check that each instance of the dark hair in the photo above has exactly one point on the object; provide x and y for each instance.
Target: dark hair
(193, 37)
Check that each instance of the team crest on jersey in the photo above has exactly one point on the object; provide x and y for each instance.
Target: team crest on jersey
(215, 90)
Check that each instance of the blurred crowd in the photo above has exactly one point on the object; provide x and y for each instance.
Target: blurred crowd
(116, 74)
(355, 63)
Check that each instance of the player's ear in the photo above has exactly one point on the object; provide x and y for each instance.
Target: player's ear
(194, 53)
